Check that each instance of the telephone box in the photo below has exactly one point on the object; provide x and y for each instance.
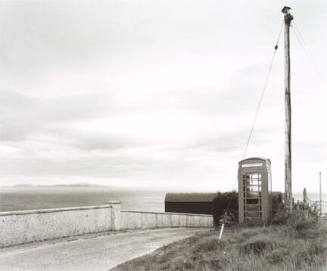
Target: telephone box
(254, 191)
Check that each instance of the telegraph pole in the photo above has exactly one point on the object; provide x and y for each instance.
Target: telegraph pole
(320, 197)
(288, 117)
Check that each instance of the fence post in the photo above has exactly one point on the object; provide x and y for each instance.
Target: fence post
(305, 196)
(115, 215)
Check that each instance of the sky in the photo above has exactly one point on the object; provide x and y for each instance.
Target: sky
(158, 94)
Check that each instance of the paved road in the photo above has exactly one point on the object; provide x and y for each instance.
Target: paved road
(89, 253)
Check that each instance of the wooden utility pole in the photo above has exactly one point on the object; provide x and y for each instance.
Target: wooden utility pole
(320, 198)
(288, 117)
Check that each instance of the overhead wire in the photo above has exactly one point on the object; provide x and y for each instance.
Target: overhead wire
(262, 94)
(316, 200)
(258, 106)
(299, 37)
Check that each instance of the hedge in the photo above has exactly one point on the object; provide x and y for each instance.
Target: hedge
(227, 203)
(222, 202)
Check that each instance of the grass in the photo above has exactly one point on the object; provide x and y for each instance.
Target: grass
(300, 245)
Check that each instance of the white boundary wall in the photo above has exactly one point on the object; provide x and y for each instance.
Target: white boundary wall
(36, 225)
(21, 227)
(150, 220)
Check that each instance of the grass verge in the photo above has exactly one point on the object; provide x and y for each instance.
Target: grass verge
(298, 246)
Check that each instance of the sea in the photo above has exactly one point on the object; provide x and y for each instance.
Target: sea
(48, 197)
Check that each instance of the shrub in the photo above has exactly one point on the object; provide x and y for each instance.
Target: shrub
(280, 216)
(225, 203)
(276, 201)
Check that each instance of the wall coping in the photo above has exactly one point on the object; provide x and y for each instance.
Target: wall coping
(54, 210)
(109, 205)
(113, 202)
(164, 213)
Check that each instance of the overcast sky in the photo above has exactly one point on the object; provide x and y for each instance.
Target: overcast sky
(157, 94)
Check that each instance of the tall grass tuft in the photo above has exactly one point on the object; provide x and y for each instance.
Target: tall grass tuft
(257, 247)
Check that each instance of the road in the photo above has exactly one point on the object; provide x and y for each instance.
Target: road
(96, 253)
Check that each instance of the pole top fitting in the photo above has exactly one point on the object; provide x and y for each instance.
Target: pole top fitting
(285, 9)
(288, 16)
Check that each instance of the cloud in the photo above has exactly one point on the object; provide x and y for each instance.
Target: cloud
(22, 115)
(95, 141)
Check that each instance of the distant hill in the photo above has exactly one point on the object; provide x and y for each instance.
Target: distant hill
(60, 185)
(84, 185)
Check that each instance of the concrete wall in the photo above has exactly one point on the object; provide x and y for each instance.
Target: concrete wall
(21, 227)
(28, 226)
(149, 220)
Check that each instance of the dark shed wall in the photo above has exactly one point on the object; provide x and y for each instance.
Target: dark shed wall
(189, 207)
(193, 203)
